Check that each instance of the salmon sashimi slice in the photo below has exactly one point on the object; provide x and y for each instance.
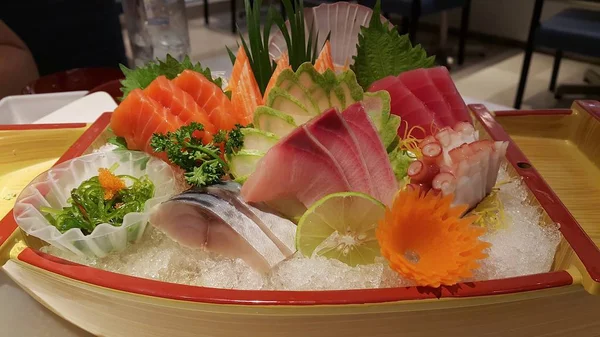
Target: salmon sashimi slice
(282, 64)
(138, 117)
(160, 122)
(236, 73)
(325, 61)
(127, 117)
(245, 93)
(208, 96)
(179, 103)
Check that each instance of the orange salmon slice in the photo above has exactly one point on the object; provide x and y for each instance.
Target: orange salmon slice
(208, 96)
(245, 94)
(324, 61)
(282, 64)
(138, 117)
(179, 103)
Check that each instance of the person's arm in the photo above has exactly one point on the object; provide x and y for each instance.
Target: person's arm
(17, 66)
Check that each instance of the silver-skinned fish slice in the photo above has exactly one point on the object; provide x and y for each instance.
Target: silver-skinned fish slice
(199, 220)
(280, 230)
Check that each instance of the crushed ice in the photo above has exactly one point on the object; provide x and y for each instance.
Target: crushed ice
(523, 247)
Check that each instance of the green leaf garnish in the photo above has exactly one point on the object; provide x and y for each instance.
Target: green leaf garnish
(299, 48)
(141, 77)
(257, 45)
(382, 52)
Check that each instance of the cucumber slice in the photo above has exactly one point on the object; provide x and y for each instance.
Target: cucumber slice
(349, 89)
(288, 82)
(255, 139)
(243, 163)
(273, 121)
(280, 99)
(317, 85)
(377, 106)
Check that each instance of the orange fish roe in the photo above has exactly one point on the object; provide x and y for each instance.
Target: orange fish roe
(426, 241)
(110, 183)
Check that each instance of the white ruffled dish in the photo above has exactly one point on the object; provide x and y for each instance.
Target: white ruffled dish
(53, 188)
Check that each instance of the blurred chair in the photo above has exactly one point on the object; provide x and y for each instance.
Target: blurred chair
(572, 30)
(412, 10)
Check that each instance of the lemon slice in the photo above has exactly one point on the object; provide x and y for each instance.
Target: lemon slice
(341, 226)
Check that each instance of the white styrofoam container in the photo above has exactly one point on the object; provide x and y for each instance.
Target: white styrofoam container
(84, 110)
(26, 109)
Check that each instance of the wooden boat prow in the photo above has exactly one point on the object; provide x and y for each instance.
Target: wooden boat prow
(562, 301)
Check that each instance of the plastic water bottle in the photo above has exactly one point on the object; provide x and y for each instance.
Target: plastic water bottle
(157, 28)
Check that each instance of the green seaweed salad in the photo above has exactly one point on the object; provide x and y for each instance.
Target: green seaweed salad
(105, 198)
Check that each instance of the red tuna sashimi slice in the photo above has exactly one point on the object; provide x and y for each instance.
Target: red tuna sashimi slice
(179, 103)
(384, 83)
(421, 85)
(209, 97)
(411, 110)
(331, 130)
(373, 152)
(442, 80)
(294, 173)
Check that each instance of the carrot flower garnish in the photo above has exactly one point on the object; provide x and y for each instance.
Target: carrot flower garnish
(425, 240)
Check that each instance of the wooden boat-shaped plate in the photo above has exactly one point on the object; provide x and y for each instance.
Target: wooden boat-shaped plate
(564, 145)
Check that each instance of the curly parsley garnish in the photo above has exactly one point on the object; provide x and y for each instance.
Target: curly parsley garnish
(203, 163)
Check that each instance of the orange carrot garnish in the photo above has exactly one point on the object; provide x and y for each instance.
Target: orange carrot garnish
(426, 240)
(110, 183)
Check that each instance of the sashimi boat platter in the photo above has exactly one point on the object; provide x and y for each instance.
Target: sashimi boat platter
(336, 184)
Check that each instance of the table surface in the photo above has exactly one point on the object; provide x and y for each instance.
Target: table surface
(18, 310)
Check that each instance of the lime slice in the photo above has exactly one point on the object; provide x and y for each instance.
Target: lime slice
(341, 226)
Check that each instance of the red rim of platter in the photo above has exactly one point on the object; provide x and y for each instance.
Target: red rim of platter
(581, 243)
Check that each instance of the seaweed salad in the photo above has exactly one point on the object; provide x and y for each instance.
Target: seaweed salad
(105, 198)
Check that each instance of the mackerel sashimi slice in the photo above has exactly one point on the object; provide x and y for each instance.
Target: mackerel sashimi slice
(331, 130)
(209, 97)
(199, 220)
(373, 152)
(294, 174)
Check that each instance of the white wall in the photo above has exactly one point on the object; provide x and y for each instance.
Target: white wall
(503, 18)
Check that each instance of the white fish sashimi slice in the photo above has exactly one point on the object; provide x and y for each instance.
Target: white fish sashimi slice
(342, 19)
(198, 220)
